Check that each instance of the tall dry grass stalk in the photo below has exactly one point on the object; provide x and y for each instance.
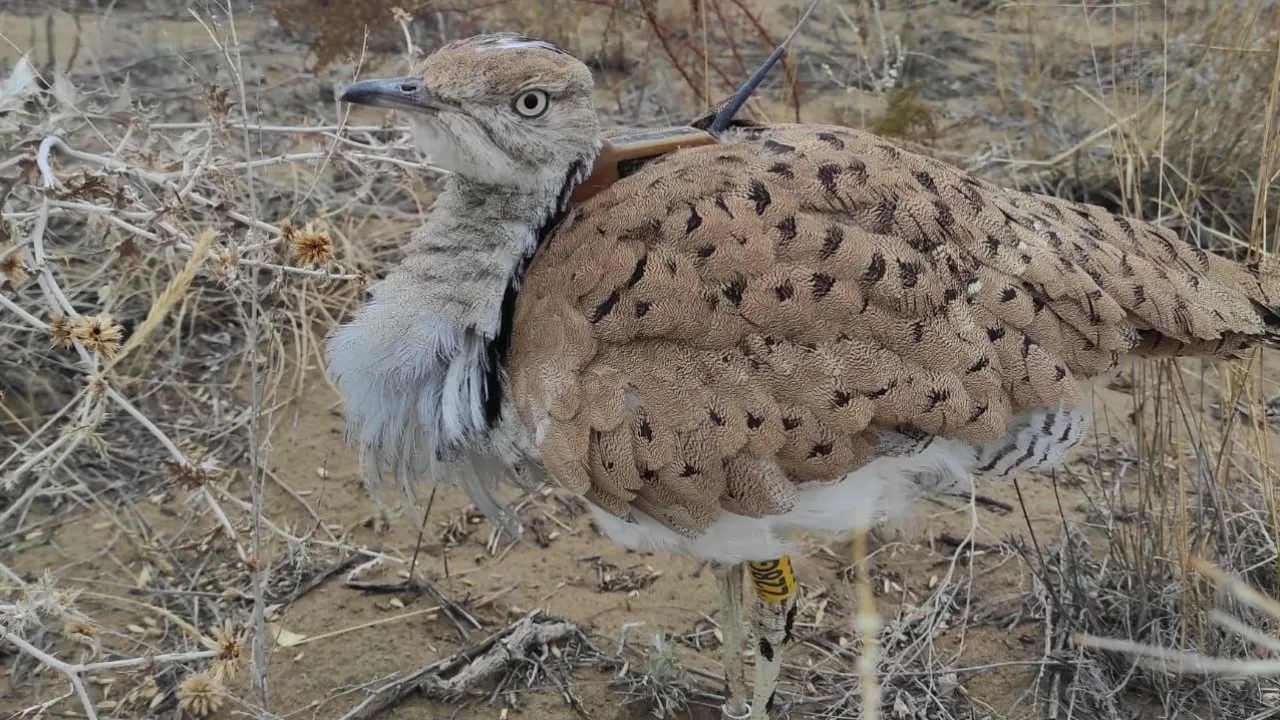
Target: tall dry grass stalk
(145, 272)
(1188, 100)
(1193, 143)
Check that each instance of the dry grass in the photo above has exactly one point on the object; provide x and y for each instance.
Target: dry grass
(181, 225)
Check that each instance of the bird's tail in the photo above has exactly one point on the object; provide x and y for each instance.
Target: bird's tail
(1153, 344)
(1237, 333)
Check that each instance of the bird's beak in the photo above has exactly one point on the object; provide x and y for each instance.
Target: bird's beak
(400, 93)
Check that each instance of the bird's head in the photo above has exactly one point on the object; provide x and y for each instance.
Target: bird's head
(500, 109)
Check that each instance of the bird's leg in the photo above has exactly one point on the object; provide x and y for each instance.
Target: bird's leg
(729, 595)
(775, 611)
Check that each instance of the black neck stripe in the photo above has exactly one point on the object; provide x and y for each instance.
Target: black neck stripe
(500, 347)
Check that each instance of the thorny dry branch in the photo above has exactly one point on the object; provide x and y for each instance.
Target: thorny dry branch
(525, 642)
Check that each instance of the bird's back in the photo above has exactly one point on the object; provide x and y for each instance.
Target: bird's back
(737, 321)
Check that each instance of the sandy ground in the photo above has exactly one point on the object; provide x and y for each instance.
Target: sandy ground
(573, 576)
(338, 641)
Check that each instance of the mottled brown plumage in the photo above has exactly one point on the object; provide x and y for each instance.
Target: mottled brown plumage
(798, 327)
(795, 291)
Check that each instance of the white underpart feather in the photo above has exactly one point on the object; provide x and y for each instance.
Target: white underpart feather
(412, 387)
(411, 384)
(412, 365)
(1040, 442)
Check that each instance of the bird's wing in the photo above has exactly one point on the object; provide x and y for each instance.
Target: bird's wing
(733, 320)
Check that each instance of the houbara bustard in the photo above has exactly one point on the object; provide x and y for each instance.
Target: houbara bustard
(793, 328)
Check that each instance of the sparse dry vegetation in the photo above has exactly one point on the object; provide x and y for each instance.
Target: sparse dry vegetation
(185, 210)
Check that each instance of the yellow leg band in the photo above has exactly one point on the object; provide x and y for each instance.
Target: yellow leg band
(773, 580)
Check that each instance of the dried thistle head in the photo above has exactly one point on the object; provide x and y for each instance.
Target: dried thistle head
(83, 632)
(146, 693)
(200, 695)
(129, 252)
(46, 593)
(225, 259)
(98, 333)
(231, 647)
(312, 246)
(189, 476)
(59, 331)
(217, 98)
(97, 385)
(89, 187)
(80, 629)
(11, 267)
(40, 602)
(401, 15)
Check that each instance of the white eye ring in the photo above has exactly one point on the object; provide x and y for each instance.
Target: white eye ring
(532, 103)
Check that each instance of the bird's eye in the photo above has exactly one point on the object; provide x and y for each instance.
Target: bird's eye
(531, 104)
